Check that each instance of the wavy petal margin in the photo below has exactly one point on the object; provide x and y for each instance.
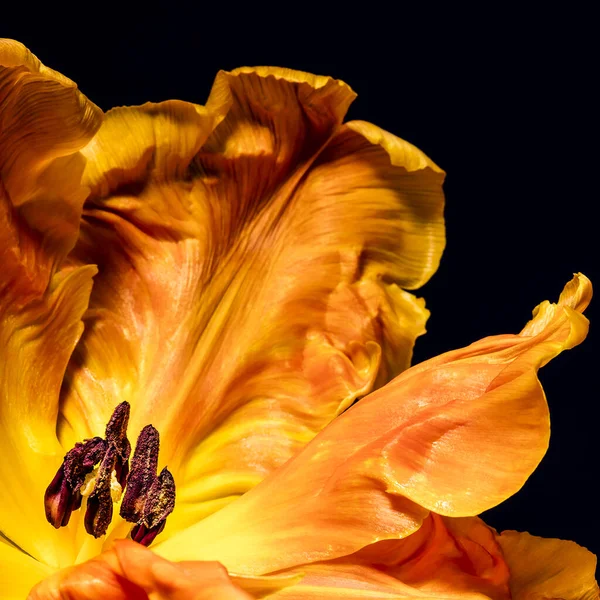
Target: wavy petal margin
(455, 435)
(251, 255)
(548, 568)
(45, 121)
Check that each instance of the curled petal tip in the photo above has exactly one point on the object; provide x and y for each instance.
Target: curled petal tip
(563, 324)
(577, 294)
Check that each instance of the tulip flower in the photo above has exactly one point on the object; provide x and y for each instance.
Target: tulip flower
(381, 503)
(188, 295)
(190, 298)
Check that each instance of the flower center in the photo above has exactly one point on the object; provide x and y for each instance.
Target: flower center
(98, 469)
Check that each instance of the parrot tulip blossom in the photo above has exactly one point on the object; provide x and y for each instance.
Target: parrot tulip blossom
(190, 298)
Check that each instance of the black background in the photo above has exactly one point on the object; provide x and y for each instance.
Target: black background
(503, 100)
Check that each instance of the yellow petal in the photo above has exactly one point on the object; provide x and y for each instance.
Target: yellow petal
(19, 572)
(45, 121)
(456, 435)
(247, 281)
(548, 568)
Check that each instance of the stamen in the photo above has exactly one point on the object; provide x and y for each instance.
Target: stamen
(63, 495)
(116, 436)
(99, 511)
(142, 475)
(99, 470)
(148, 499)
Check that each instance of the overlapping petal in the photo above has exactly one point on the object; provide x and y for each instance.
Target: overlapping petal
(44, 121)
(445, 558)
(251, 258)
(446, 555)
(131, 572)
(548, 568)
(455, 435)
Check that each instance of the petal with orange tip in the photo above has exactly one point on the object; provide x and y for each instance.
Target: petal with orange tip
(548, 568)
(45, 122)
(251, 255)
(455, 435)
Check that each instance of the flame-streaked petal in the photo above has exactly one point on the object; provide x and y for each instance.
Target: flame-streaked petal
(250, 255)
(548, 568)
(456, 435)
(45, 121)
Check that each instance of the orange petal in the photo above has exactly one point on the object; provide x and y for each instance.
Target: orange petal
(351, 581)
(445, 555)
(132, 572)
(101, 578)
(45, 121)
(174, 581)
(250, 256)
(457, 435)
(445, 558)
(548, 568)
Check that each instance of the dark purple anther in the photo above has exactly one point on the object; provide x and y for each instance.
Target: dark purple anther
(63, 495)
(142, 475)
(142, 535)
(99, 511)
(116, 436)
(149, 499)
